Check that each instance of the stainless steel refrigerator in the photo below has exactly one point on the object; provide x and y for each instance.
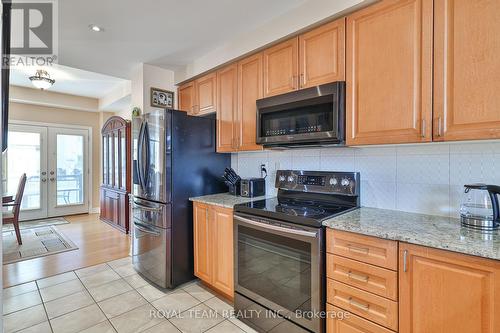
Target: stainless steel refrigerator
(174, 158)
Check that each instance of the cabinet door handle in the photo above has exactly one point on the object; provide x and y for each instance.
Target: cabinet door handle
(359, 277)
(359, 305)
(423, 128)
(353, 248)
(439, 127)
(292, 82)
(302, 80)
(405, 258)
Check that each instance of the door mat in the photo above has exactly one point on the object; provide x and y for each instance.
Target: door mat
(37, 242)
(36, 223)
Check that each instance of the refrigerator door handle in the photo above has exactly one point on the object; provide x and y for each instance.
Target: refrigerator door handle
(148, 155)
(143, 228)
(139, 156)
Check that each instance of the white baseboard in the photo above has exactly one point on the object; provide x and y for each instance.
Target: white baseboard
(95, 210)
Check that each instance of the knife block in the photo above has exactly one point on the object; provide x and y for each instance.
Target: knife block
(234, 189)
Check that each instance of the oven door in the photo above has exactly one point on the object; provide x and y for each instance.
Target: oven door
(280, 267)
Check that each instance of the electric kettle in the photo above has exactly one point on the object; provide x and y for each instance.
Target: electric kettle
(480, 208)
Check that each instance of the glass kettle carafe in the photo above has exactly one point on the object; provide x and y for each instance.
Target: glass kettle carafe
(480, 206)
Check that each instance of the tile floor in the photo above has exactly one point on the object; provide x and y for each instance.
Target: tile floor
(111, 297)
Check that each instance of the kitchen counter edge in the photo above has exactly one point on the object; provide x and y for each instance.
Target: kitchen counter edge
(438, 232)
(225, 200)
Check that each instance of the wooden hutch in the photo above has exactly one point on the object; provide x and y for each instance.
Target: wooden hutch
(116, 171)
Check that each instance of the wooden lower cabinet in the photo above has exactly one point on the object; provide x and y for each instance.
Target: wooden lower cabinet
(115, 208)
(202, 242)
(222, 241)
(341, 321)
(442, 291)
(213, 246)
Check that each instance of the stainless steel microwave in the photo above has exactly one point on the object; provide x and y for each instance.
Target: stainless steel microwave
(313, 116)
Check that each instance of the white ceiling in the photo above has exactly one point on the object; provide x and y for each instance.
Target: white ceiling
(69, 80)
(166, 33)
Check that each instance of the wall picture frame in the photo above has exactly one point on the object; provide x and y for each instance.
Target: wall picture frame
(162, 98)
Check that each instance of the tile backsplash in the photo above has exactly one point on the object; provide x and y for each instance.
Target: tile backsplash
(423, 178)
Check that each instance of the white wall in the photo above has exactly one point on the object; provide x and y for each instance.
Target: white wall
(311, 12)
(144, 77)
(424, 178)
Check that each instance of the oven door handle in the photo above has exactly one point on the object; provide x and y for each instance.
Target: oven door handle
(304, 233)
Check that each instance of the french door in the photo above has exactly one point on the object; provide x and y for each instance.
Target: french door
(55, 160)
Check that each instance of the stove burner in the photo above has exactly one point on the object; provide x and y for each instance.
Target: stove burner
(299, 211)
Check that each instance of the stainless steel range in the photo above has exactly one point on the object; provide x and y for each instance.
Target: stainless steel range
(280, 250)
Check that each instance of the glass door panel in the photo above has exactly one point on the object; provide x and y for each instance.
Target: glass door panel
(26, 153)
(116, 161)
(105, 159)
(123, 160)
(68, 171)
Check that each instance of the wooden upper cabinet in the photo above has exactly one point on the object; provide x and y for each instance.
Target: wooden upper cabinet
(202, 242)
(250, 89)
(466, 70)
(389, 73)
(322, 54)
(442, 291)
(227, 123)
(206, 94)
(222, 240)
(281, 68)
(186, 93)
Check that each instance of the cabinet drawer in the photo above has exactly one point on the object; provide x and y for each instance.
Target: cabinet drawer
(350, 323)
(372, 307)
(372, 250)
(380, 281)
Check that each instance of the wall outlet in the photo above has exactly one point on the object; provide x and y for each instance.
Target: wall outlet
(263, 170)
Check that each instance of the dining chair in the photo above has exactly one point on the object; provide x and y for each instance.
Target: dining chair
(12, 215)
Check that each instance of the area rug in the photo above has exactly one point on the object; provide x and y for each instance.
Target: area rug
(37, 242)
(36, 223)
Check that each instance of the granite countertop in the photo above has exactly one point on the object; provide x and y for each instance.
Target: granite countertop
(225, 200)
(427, 230)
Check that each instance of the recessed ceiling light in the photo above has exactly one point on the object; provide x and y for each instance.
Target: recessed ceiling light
(95, 28)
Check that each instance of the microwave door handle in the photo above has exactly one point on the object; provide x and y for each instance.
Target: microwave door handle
(309, 234)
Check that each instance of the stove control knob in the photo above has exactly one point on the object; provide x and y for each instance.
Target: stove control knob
(333, 181)
(345, 182)
(282, 178)
(290, 179)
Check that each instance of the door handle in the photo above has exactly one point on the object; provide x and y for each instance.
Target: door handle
(153, 209)
(423, 128)
(302, 80)
(354, 248)
(146, 230)
(44, 180)
(358, 277)
(52, 179)
(405, 258)
(359, 305)
(52, 172)
(44, 173)
(276, 228)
